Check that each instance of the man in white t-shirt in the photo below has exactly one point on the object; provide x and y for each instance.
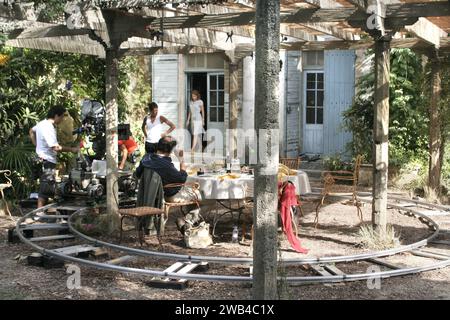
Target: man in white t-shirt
(43, 136)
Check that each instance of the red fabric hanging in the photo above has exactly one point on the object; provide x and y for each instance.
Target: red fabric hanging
(286, 200)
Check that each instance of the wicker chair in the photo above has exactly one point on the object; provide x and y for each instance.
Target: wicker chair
(291, 163)
(329, 179)
(247, 210)
(6, 185)
(138, 214)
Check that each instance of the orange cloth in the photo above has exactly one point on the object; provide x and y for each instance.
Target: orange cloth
(130, 144)
(287, 200)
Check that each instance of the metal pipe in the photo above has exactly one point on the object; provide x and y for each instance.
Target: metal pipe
(221, 278)
(249, 261)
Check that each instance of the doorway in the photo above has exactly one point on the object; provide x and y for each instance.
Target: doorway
(313, 93)
(211, 86)
(198, 81)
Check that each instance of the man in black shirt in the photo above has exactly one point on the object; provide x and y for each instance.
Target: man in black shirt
(161, 163)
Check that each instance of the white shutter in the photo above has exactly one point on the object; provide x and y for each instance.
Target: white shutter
(165, 85)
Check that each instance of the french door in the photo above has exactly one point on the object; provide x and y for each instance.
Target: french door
(313, 102)
(216, 101)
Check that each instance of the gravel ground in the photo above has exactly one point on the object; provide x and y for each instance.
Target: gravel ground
(336, 235)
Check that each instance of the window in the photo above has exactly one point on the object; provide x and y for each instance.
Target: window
(216, 98)
(314, 97)
(312, 59)
(204, 61)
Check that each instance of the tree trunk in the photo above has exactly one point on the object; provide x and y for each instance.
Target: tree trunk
(380, 135)
(434, 166)
(266, 124)
(111, 81)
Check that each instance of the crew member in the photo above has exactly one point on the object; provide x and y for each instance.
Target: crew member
(153, 129)
(128, 150)
(43, 136)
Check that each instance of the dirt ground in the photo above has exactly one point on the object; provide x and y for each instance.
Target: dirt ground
(335, 235)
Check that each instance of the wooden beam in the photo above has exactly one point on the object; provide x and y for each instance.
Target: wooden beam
(362, 4)
(197, 37)
(167, 50)
(434, 145)
(112, 82)
(380, 135)
(49, 31)
(393, 11)
(74, 44)
(413, 43)
(240, 30)
(427, 31)
(331, 30)
(52, 37)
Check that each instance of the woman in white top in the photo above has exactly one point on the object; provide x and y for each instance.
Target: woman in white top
(196, 116)
(153, 128)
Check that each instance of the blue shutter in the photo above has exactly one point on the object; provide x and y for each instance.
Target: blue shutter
(339, 73)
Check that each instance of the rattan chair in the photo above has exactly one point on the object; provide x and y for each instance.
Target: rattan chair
(329, 179)
(291, 163)
(138, 214)
(6, 185)
(247, 211)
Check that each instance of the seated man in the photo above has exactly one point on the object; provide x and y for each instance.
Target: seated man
(128, 149)
(161, 163)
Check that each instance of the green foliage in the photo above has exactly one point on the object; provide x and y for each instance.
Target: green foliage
(446, 167)
(134, 94)
(50, 10)
(408, 119)
(335, 163)
(30, 83)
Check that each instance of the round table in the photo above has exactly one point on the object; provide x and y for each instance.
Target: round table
(212, 187)
(240, 188)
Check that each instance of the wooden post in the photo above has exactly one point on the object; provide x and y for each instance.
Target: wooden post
(111, 81)
(380, 134)
(434, 168)
(234, 88)
(265, 214)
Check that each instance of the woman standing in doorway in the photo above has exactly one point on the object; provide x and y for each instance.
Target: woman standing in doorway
(196, 116)
(153, 129)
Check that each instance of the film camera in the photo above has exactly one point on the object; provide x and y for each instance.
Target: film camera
(93, 126)
(89, 175)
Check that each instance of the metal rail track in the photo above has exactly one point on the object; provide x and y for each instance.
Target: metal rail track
(330, 276)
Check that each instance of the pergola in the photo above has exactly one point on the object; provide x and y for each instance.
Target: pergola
(114, 29)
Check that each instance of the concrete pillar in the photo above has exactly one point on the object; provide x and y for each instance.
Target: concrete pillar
(234, 107)
(265, 214)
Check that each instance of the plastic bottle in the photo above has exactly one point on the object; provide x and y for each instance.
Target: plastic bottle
(228, 163)
(235, 235)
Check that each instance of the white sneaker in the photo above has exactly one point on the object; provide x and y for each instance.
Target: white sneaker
(38, 216)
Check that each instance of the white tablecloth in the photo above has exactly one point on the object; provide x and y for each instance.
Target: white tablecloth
(301, 182)
(211, 187)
